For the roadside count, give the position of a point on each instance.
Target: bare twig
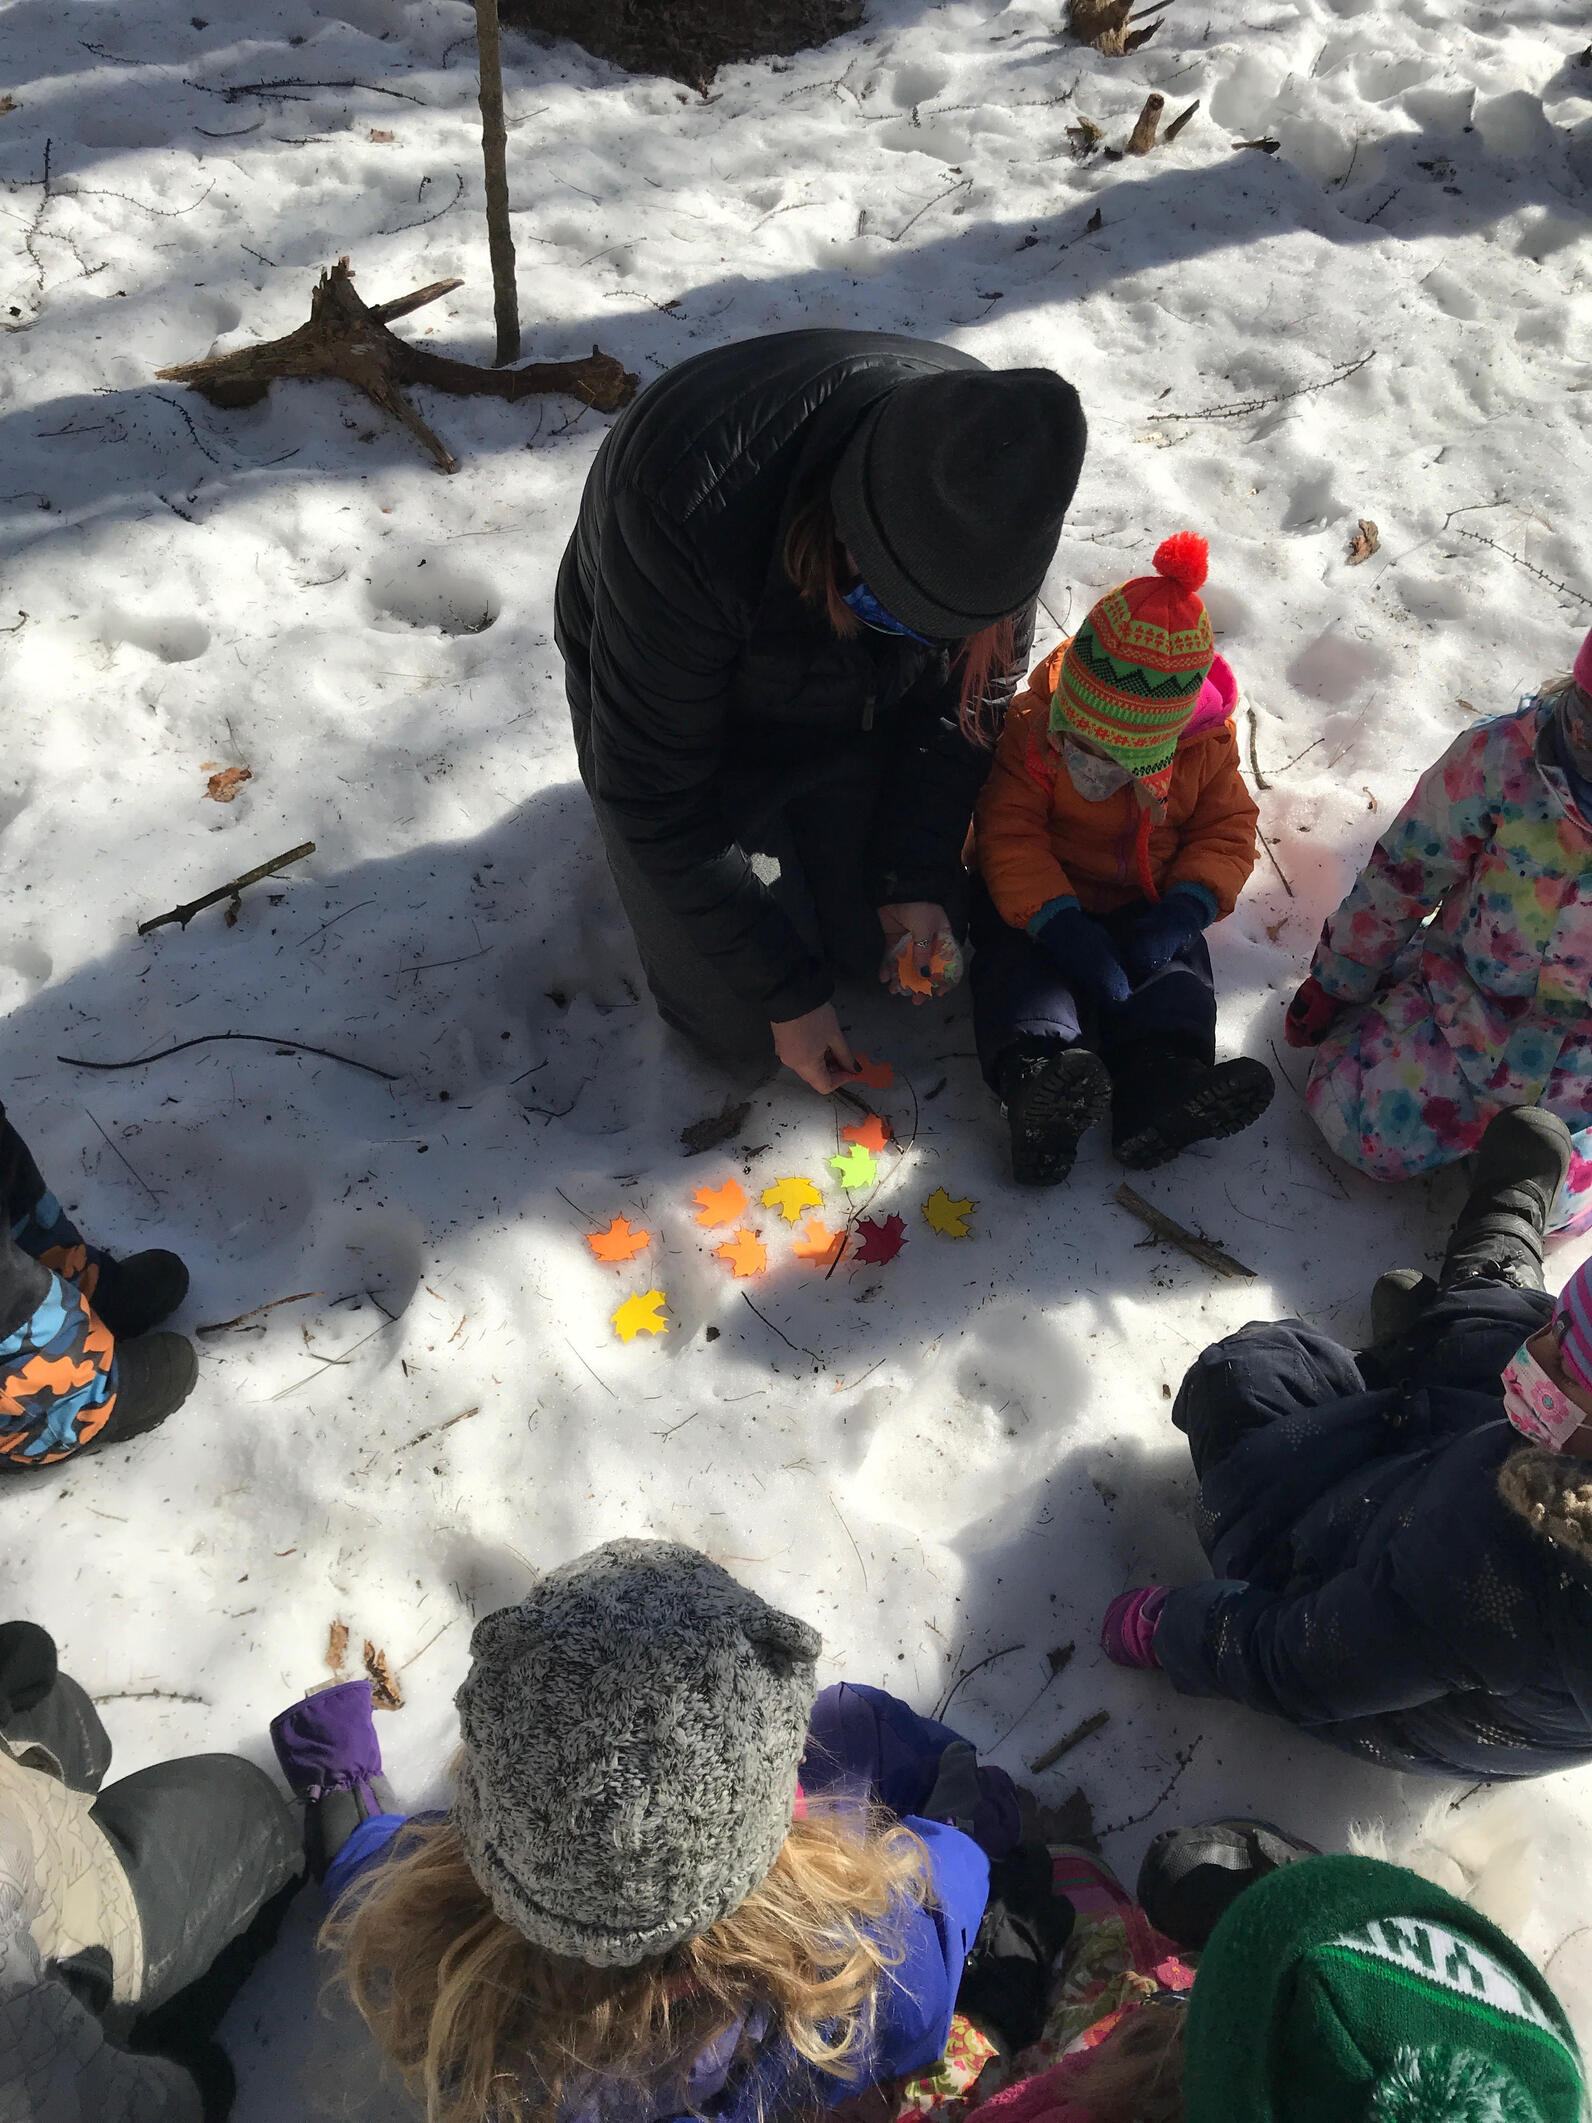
(184, 914)
(282, 91)
(962, 184)
(149, 1695)
(795, 1347)
(1184, 1756)
(962, 1679)
(1068, 1741)
(494, 154)
(261, 1039)
(1204, 1250)
(221, 1326)
(1552, 581)
(1178, 123)
(1254, 762)
(1244, 406)
(1276, 865)
(148, 1189)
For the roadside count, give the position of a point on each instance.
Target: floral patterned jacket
(1492, 854)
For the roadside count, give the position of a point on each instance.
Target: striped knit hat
(1574, 1316)
(1133, 671)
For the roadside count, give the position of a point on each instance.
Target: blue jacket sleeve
(919, 1995)
(364, 1848)
(865, 1743)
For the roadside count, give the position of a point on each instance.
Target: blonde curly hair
(1552, 1494)
(480, 2023)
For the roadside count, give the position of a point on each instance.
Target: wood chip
(337, 1646)
(1142, 138)
(385, 1693)
(1366, 541)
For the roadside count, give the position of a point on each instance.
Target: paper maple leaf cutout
(791, 1196)
(878, 1076)
(817, 1243)
(719, 1205)
(856, 1167)
(947, 1217)
(906, 968)
(873, 1133)
(745, 1254)
(641, 1314)
(880, 1242)
(619, 1242)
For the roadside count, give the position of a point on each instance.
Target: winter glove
(1082, 949)
(1006, 1979)
(331, 1757)
(1127, 1636)
(1311, 1015)
(980, 1802)
(1158, 935)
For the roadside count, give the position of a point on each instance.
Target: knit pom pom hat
(631, 1733)
(1133, 671)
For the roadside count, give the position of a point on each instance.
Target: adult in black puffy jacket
(799, 593)
(1403, 1560)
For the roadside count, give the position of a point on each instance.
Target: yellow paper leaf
(946, 1217)
(641, 1314)
(791, 1196)
(856, 1167)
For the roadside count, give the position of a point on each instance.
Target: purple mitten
(1127, 1636)
(328, 1743)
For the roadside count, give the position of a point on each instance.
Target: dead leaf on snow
(1366, 541)
(380, 134)
(223, 787)
(337, 1646)
(1085, 136)
(385, 1693)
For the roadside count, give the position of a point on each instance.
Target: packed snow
(953, 1459)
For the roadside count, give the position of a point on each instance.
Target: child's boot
(1053, 1095)
(1519, 1170)
(1397, 1302)
(154, 1376)
(137, 1293)
(1162, 1102)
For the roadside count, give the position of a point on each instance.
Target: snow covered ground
(966, 1452)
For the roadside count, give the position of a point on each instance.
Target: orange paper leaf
(641, 1314)
(619, 1242)
(878, 1076)
(817, 1243)
(791, 1196)
(873, 1133)
(745, 1254)
(907, 973)
(717, 1206)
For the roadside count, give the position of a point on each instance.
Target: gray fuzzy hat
(631, 1734)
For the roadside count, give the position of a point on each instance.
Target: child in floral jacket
(1454, 979)
(1113, 829)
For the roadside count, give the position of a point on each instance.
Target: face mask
(1094, 779)
(1537, 1405)
(873, 614)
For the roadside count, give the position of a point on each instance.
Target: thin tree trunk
(494, 153)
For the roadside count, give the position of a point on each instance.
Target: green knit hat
(1342, 1990)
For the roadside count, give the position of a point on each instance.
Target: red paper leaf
(880, 1242)
(878, 1076)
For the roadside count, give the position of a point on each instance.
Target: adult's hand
(1310, 1015)
(816, 1048)
(917, 932)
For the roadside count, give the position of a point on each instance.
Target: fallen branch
(1069, 1741)
(263, 1039)
(1204, 1250)
(1552, 581)
(967, 1674)
(348, 339)
(1245, 406)
(149, 1695)
(221, 1326)
(184, 914)
(1142, 138)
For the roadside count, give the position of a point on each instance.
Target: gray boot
(1518, 1172)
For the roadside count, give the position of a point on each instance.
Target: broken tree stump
(1103, 24)
(1142, 138)
(348, 339)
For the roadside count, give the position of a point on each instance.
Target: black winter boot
(1519, 1170)
(1191, 1877)
(1397, 1302)
(1053, 1096)
(135, 1294)
(1163, 1102)
(154, 1376)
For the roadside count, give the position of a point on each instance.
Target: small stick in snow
(184, 914)
(203, 1039)
(1204, 1250)
(1178, 123)
(1142, 138)
(1276, 865)
(1069, 1741)
(494, 154)
(221, 1326)
(1254, 763)
(337, 1646)
(21, 622)
(148, 1189)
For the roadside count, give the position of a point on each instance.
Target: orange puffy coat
(1037, 839)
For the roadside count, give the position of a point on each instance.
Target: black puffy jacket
(689, 655)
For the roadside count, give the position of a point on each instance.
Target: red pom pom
(1184, 558)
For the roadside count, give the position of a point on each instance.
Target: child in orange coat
(1114, 828)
